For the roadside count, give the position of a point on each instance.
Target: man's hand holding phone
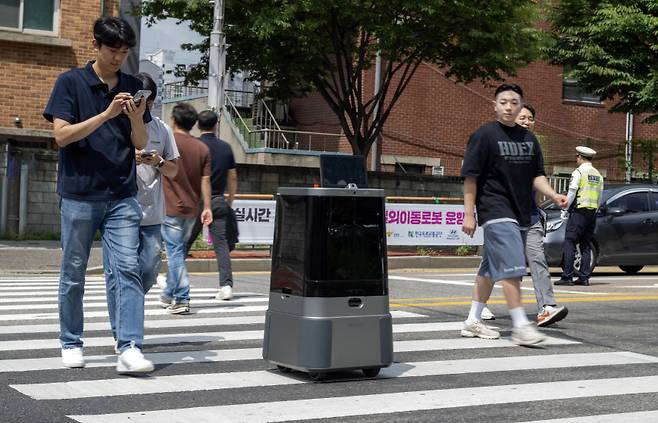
(151, 158)
(135, 106)
(117, 105)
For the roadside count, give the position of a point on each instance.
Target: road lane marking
(208, 356)
(250, 379)
(91, 304)
(527, 300)
(206, 337)
(470, 284)
(379, 404)
(169, 323)
(148, 312)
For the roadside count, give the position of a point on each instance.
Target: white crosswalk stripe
(280, 411)
(215, 354)
(153, 385)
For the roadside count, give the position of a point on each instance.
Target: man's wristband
(160, 163)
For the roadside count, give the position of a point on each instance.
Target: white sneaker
(161, 281)
(72, 358)
(225, 293)
(527, 335)
(487, 314)
(478, 329)
(132, 361)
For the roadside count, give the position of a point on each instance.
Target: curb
(264, 264)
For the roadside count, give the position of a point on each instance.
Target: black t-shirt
(505, 161)
(222, 160)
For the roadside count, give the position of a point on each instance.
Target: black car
(626, 232)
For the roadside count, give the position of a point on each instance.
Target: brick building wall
(30, 68)
(435, 116)
(29, 65)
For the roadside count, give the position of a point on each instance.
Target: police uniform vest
(589, 188)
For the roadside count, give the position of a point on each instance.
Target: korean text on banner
(406, 224)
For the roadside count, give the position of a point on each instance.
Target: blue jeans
(118, 222)
(175, 233)
(150, 246)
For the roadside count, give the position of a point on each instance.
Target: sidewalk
(43, 257)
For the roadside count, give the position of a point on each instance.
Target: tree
(611, 48)
(326, 45)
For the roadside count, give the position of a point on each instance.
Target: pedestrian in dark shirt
(98, 127)
(224, 179)
(502, 165)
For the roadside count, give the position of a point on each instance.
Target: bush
(465, 250)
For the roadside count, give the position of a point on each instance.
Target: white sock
(519, 318)
(476, 312)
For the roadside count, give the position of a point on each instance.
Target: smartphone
(140, 95)
(148, 153)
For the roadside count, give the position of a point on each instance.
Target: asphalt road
(602, 360)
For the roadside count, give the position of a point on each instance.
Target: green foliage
(648, 149)
(425, 251)
(465, 250)
(325, 45)
(611, 47)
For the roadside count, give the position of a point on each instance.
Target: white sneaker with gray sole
(72, 358)
(478, 329)
(527, 335)
(132, 361)
(487, 314)
(225, 293)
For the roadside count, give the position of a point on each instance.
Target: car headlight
(554, 225)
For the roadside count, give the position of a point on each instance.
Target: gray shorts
(503, 255)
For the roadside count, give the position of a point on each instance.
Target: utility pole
(629, 146)
(217, 63)
(375, 115)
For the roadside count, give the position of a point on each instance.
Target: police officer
(584, 197)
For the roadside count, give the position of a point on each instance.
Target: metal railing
(257, 136)
(241, 99)
(250, 138)
(180, 90)
(265, 121)
(300, 140)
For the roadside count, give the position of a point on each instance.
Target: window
(573, 92)
(29, 15)
(634, 202)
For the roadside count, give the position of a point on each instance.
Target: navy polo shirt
(221, 157)
(100, 167)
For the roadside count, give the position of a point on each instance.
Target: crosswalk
(209, 368)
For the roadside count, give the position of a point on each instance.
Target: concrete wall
(43, 211)
(42, 199)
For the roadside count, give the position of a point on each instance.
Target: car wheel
(631, 269)
(577, 259)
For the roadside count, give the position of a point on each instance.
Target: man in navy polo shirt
(98, 127)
